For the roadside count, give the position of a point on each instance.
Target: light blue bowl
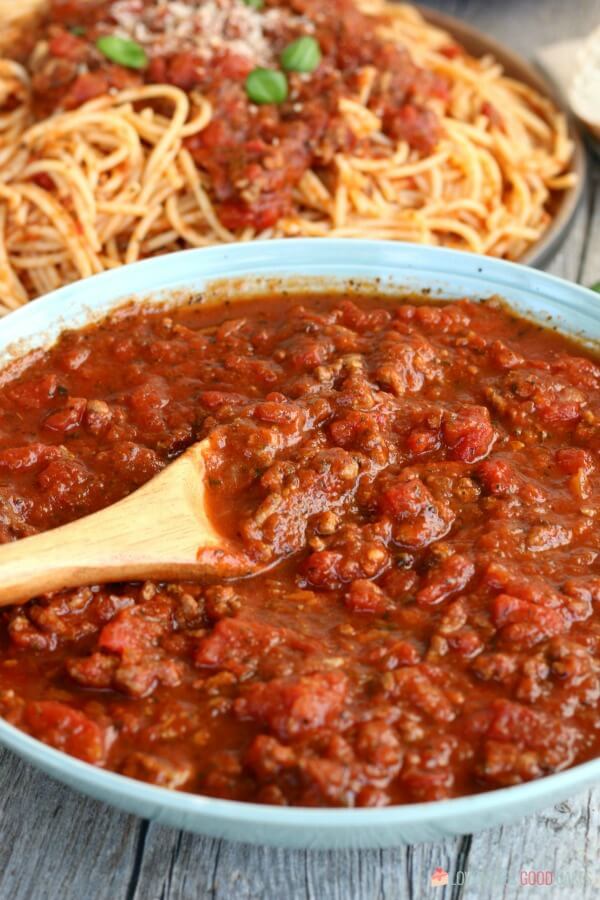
(316, 265)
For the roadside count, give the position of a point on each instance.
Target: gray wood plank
(563, 841)
(56, 844)
(176, 866)
(567, 262)
(589, 270)
(182, 867)
(406, 872)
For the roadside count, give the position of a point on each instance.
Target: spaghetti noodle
(117, 178)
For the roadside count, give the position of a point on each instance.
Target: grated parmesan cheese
(203, 27)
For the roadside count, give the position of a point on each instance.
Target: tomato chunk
(293, 707)
(469, 434)
(67, 729)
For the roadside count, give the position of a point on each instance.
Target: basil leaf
(254, 4)
(595, 287)
(122, 51)
(266, 86)
(302, 55)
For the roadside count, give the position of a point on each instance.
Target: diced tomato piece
(139, 676)
(378, 744)
(233, 66)
(415, 685)
(182, 71)
(276, 413)
(17, 459)
(157, 70)
(121, 78)
(68, 46)
(512, 580)
(504, 356)
(236, 215)
(345, 430)
(36, 393)
(67, 729)
(506, 609)
(425, 784)
(216, 134)
(94, 671)
(214, 399)
(497, 477)
(363, 320)
(488, 109)
(514, 722)
(237, 645)
(451, 51)
(73, 358)
(146, 402)
(524, 743)
(468, 433)
(399, 583)
(364, 596)
(86, 86)
(64, 478)
(451, 576)
(43, 180)
(129, 460)
(561, 412)
(266, 757)
(419, 127)
(524, 623)
(395, 654)
(321, 568)
(129, 633)
(405, 499)
(296, 706)
(465, 642)
(421, 440)
(69, 418)
(572, 459)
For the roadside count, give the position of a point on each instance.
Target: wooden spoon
(160, 531)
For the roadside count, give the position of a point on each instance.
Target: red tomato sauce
(422, 479)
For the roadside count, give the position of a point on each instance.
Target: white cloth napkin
(575, 67)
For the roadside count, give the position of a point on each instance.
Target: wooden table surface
(55, 843)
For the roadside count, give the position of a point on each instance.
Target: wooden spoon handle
(46, 562)
(111, 545)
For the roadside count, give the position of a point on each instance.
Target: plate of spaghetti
(130, 129)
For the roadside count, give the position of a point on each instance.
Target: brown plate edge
(478, 44)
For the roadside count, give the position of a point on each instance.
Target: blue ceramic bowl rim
(301, 255)
(68, 769)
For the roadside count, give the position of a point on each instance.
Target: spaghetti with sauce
(132, 128)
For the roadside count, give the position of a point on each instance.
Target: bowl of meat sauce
(407, 440)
